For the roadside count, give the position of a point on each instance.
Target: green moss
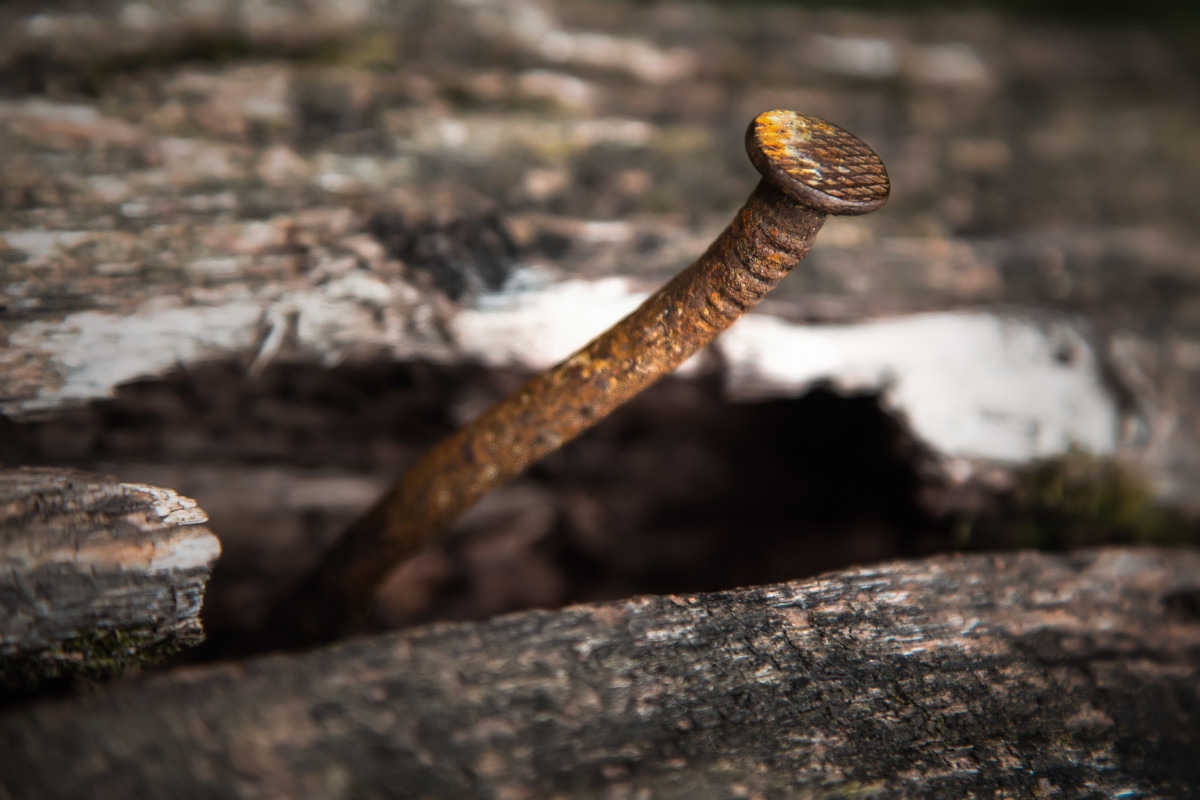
(1080, 499)
(374, 50)
(94, 656)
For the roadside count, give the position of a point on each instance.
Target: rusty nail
(810, 169)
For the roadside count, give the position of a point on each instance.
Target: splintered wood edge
(57, 516)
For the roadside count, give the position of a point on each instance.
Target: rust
(810, 169)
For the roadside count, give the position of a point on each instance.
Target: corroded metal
(817, 163)
(810, 169)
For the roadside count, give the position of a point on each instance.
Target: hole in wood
(679, 491)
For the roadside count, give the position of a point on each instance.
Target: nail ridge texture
(810, 167)
(817, 163)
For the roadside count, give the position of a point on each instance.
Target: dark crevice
(679, 491)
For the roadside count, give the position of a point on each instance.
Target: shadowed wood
(1006, 675)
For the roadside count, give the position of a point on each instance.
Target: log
(1022, 674)
(96, 576)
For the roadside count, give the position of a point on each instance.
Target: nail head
(817, 163)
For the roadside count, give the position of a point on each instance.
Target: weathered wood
(334, 195)
(95, 575)
(1015, 675)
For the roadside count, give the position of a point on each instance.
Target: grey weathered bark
(204, 206)
(989, 675)
(95, 575)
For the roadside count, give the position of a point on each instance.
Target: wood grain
(1014, 675)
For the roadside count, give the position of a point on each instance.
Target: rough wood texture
(95, 575)
(341, 182)
(1019, 675)
(325, 197)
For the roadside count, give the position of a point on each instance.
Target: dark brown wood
(95, 575)
(1020, 675)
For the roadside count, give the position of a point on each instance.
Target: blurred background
(266, 253)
